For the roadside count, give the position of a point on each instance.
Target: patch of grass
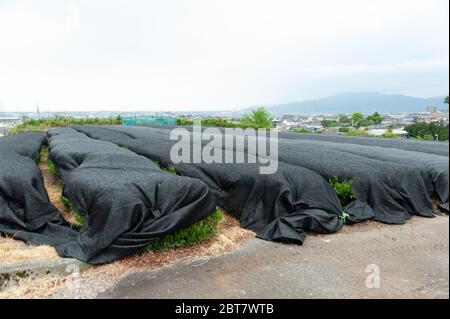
(171, 170)
(43, 124)
(168, 169)
(52, 168)
(183, 121)
(189, 236)
(42, 151)
(391, 135)
(300, 130)
(79, 218)
(66, 202)
(343, 189)
(215, 122)
(344, 216)
(358, 132)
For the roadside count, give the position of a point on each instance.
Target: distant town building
(290, 118)
(381, 132)
(432, 109)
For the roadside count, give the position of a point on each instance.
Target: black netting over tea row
(25, 210)
(127, 200)
(110, 177)
(396, 183)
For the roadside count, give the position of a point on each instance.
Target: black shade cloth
(280, 206)
(393, 189)
(436, 167)
(429, 147)
(127, 199)
(25, 210)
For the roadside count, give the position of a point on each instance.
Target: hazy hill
(366, 102)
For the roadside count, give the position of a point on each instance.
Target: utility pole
(37, 109)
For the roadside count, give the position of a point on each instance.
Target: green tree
(218, 122)
(430, 131)
(417, 129)
(329, 123)
(357, 117)
(259, 118)
(438, 131)
(375, 118)
(344, 119)
(366, 122)
(446, 100)
(184, 121)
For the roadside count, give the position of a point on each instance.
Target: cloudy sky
(216, 54)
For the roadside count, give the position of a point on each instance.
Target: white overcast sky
(211, 54)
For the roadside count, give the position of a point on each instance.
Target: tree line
(428, 131)
(258, 118)
(357, 120)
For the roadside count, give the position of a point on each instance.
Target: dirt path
(403, 261)
(53, 185)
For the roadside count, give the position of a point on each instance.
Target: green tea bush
(343, 189)
(189, 236)
(44, 124)
(52, 168)
(79, 218)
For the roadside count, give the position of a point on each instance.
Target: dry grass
(35, 288)
(14, 251)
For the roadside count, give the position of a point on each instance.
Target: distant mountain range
(366, 102)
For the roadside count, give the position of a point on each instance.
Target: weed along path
(53, 184)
